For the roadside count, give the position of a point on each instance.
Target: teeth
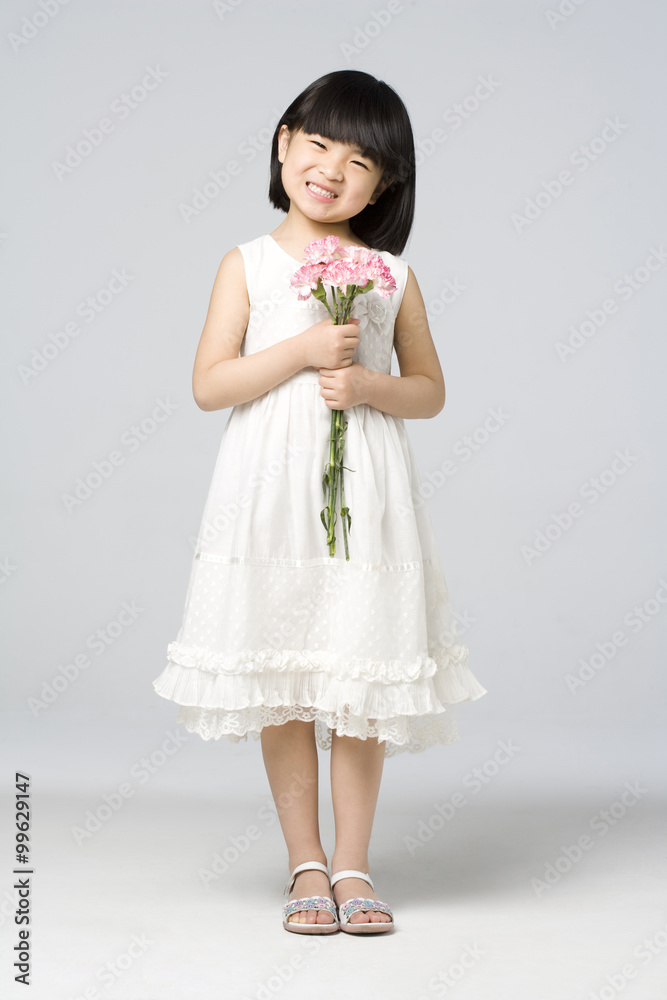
(320, 190)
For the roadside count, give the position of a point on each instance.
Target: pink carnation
(322, 251)
(338, 268)
(305, 280)
(342, 273)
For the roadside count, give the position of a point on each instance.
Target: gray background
(227, 71)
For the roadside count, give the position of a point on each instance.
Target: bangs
(354, 108)
(358, 116)
(354, 126)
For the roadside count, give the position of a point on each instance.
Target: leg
(356, 772)
(290, 758)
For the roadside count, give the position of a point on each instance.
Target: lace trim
(400, 734)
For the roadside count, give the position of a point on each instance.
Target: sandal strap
(305, 866)
(310, 903)
(350, 906)
(351, 873)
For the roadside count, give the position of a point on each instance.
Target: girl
(279, 638)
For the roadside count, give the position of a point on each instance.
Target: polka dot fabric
(274, 628)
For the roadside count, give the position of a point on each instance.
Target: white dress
(275, 628)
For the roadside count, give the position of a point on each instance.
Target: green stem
(343, 511)
(331, 538)
(342, 309)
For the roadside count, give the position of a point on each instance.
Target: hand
(344, 387)
(329, 344)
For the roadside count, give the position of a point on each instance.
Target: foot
(356, 888)
(310, 883)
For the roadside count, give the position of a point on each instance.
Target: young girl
(279, 638)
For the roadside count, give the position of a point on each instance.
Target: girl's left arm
(419, 391)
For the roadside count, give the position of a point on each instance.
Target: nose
(332, 168)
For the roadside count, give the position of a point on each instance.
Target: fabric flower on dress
(372, 313)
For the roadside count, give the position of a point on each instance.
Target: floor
(505, 885)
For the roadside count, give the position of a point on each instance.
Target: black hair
(354, 107)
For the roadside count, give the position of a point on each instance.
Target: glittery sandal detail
(354, 904)
(309, 903)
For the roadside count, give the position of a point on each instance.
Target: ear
(382, 186)
(283, 141)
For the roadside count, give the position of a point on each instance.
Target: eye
(322, 146)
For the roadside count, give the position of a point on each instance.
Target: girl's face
(311, 161)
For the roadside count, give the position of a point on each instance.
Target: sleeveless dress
(274, 627)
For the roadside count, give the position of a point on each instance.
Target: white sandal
(309, 903)
(350, 906)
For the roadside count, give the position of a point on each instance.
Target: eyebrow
(355, 149)
(358, 149)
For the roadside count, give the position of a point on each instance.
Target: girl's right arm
(221, 378)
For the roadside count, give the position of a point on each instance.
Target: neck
(296, 228)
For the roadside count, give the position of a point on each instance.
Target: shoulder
(250, 245)
(242, 255)
(232, 264)
(231, 279)
(244, 264)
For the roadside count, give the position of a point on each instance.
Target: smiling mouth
(322, 191)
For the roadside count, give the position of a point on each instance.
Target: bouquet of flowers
(348, 271)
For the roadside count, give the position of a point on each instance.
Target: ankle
(303, 856)
(345, 863)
